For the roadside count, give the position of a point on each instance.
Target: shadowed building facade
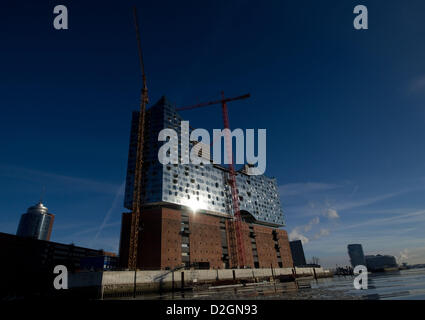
(187, 208)
(355, 252)
(297, 251)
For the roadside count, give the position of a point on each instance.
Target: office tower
(355, 251)
(37, 223)
(297, 253)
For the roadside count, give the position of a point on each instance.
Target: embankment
(122, 283)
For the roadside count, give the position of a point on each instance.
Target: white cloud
(331, 214)
(296, 235)
(404, 256)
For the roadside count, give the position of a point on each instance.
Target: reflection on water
(250, 291)
(398, 285)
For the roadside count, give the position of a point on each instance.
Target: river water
(398, 285)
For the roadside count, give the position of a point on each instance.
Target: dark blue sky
(344, 109)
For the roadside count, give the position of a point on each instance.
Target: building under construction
(189, 215)
(172, 233)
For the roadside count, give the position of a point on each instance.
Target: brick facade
(171, 237)
(285, 249)
(265, 247)
(205, 240)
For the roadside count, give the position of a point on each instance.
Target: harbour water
(397, 285)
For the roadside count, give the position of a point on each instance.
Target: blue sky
(344, 110)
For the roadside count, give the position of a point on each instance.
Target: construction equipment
(236, 240)
(137, 200)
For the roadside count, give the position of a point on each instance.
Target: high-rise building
(355, 251)
(187, 208)
(297, 253)
(37, 223)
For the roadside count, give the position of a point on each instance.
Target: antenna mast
(43, 193)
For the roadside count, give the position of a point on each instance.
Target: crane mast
(137, 188)
(237, 222)
(236, 239)
(235, 232)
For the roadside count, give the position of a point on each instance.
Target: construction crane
(137, 188)
(236, 240)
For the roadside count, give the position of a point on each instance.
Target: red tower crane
(236, 239)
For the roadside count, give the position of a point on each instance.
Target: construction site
(204, 216)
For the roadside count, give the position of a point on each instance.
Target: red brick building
(173, 237)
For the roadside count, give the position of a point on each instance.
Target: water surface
(397, 285)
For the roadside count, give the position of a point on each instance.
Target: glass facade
(355, 252)
(202, 187)
(36, 223)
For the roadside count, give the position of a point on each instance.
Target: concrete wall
(116, 282)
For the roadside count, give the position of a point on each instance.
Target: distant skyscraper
(355, 251)
(37, 223)
(297, 253)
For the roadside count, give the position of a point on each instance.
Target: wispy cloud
(89, 231)
(331, 214)
(345, 205)
(46, 178)
(417, 84)
(350, 213)
(311, 223)
(331, 206)
(92, 236)
(322, 233)
(117, 198)
(296, 189)
(418, 216)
